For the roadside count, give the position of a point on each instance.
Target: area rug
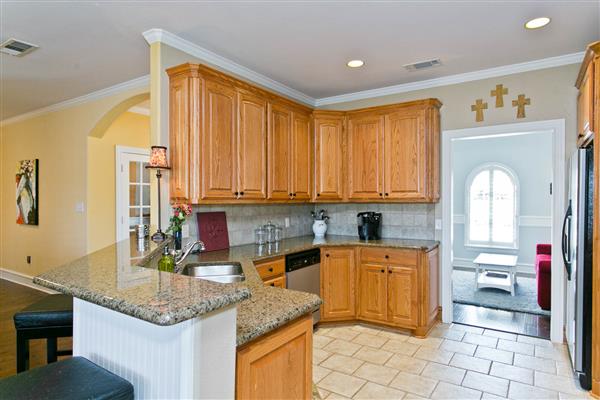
(524, 300)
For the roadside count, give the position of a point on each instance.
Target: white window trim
(491, 244)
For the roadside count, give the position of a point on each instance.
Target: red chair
(543, 263)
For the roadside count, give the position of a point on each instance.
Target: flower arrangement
(180, 213)
(320, 216)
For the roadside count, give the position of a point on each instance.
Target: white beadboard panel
(192, 359)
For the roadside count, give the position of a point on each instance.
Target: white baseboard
(22, 279)
(527, 270)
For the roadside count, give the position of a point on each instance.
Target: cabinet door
(403, 307)
(278, 145)
(329, 158)
(405, 156)
(276, 282)
(302, 160)
(365, 157)
(337, 283)
(179, 139)
(252, 146)
(219, 169)
(373, 292)
(585, 101)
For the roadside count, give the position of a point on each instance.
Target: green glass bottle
(166, 262)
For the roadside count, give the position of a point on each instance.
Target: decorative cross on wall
(520, 103)
(499, 93)
(478, 107)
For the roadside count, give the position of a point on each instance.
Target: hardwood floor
(14, 297)
(501, 320)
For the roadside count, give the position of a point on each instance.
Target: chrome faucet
(188, 249)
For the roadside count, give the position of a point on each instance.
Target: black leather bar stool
(49, 318)
(75, 378)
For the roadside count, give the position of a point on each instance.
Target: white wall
(530, 157)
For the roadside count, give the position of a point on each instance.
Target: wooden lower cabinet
(272, 272)
(277, 365)
(394, 287)
(276, 282)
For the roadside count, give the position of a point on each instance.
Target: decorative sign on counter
(212, 230)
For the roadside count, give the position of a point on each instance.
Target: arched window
(492, 207)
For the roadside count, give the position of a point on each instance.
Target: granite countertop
(121, 278)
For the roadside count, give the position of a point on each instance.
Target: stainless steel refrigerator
(577, 256)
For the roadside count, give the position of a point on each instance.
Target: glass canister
(260, 235)
(269, 232)
(277, 234)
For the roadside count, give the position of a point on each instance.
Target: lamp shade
(158, 158)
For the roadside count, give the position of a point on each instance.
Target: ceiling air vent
(16, 47)
(423, 64)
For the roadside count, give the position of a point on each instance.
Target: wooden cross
(478, 107)
(521, 102)
(499, 92)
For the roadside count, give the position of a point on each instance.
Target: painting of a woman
(26, 194)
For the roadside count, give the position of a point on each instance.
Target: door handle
(565, 241)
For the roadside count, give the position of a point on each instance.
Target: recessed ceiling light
(355, 63)
(537, 23)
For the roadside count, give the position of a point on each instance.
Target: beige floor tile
(373, 391)
(319, 373)
(431, 342)
(344, 364)
(320, 341)
(486, 383)
(342, 332)
(398, 336)
(406, 364)
(517, 347)
(489, 396)
(375, 356)
(500, 335)
(376, 373)
(568, 396)
(342, 347)
(467, 328)
(448, 391)
(335, 396)
(558, 353)
(471, 363)
(459, 347)
(519, 374)
(447, 333)
(418, 385)
(534, 340)
(538, 364)
(480, 340)
(324, 393)
(435, 355)
(444, 373)
(412, 396)
(557, 383)
(494, 354)
(320, 355)
(367, 339)
(520, 391)
(341, 384)
(362, 328)
(321, 331)
(564, 369)
(396, 346)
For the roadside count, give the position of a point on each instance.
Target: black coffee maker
(369, 225)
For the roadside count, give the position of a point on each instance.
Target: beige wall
(132, 130)
(59, 141)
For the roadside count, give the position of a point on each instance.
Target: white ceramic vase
(319, 228)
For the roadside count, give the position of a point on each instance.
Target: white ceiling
(303, 44)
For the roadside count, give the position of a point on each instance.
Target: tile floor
(454, 362)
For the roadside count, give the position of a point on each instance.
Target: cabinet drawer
(276, 282)
(271, 268)
(388, 256)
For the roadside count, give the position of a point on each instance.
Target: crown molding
(543, 63)
(142, 81)
(160, 35)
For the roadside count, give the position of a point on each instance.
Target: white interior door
(132, 189)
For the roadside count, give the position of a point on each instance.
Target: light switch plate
(287, 222)
(79, 207)
(438, 224)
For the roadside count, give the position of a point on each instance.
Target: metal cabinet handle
(389, 271)
(386, 256)
(326, 255)
(236, 193)
(383, 270)
(381, 194)
(318, 194)
(270, 269)
(272, 284)
(386, 194)
(241, 193)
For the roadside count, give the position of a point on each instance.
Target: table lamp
(158, 161)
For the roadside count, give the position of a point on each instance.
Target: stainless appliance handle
(566, 250)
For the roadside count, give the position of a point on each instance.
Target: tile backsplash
(243, 219)
(409, 221)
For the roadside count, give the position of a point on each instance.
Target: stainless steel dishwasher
(303, 273)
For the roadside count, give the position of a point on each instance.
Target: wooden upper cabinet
(278, 145)
(585, 101)
(218, 148)
(373, 292)
(365, 157)
(338, 280)
(329, 154)
(179, 138)
(301, 157)
(403, 292)
(252, 146)
(405, 156)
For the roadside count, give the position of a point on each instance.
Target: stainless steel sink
(222, 273)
